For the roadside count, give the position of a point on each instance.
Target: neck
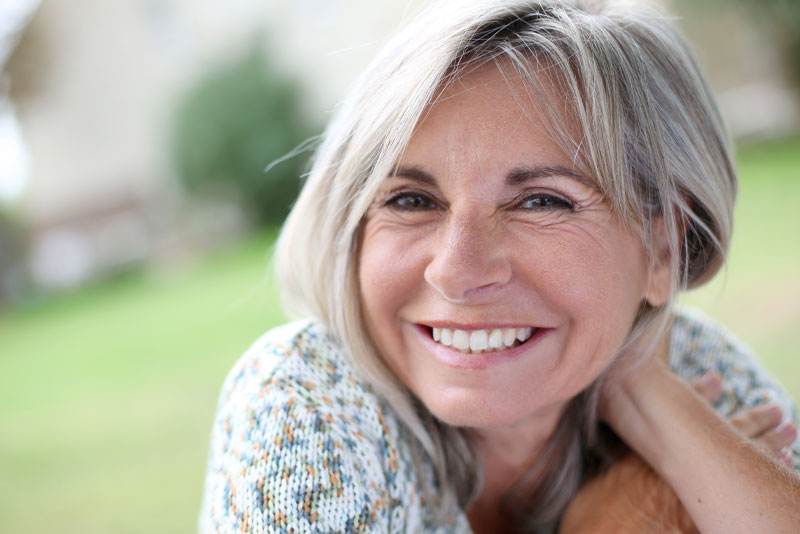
(508, 454)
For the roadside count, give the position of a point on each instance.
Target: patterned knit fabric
(300, 445)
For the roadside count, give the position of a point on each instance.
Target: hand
(632, 370)
(646, 361)
(631, 498)
(761, 424)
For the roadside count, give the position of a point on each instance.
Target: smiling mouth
(478, 341)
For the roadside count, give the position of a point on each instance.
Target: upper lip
(474, 326)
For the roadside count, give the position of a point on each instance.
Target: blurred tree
(235, 122)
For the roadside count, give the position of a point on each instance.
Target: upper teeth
(481, 340)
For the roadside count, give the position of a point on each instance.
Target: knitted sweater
(300, 445)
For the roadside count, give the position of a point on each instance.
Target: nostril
(478, 291)
(459, 282)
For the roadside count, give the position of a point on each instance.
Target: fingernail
(775, 412)
(709, 379)
(788, 430)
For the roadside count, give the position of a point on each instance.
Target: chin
(472, 409)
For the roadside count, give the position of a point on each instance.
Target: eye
(544, 201)
(411, 201)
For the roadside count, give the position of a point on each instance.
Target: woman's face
(495, 281)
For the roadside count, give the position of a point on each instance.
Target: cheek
(389, 275)
(593, 270)
(597, 283)
(389, 271)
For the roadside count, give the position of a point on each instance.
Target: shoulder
(299, 442)
(301, 359)
(700, 345)
(300, 367)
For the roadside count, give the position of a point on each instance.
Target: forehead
(489, 117)
(483, 96)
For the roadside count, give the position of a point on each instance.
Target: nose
(469, 261)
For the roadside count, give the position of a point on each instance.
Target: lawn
(758, 294)
(107, 395)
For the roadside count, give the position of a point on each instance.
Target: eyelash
(423, 201)
(395, 201)
(547, 202)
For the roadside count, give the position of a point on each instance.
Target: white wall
(96, 121)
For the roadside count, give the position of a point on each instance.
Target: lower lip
(454, 358)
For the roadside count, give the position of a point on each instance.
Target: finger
(709, 386)
(786, 457)
(779, 438)
(758, 420)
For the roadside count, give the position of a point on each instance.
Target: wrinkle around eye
(382, 230)
(382, 218)
(565, 230)
(545, 220)
(582, 218)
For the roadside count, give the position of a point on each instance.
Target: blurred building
(94, 83)
(738, 50)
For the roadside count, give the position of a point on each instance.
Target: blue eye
(411, 201)
(542, 201)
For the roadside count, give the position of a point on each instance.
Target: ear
(659, 277)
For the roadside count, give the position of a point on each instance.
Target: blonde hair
(631, 106)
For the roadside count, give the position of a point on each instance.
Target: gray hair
(632, 108)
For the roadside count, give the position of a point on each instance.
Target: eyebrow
(521, 176)
(414, 173)
(514, 178)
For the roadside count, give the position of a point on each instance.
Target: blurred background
(137, 219)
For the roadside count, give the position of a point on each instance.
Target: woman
(489, 244)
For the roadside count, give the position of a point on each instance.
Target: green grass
(107, 395)
(758, 294)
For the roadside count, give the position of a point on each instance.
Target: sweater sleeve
(279, 464)
(701, 346)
